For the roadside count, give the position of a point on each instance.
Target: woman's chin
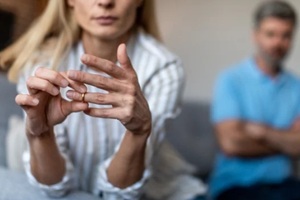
(107, 33)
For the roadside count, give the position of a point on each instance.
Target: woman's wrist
(134, 144)
(144, 130)
(46, 134)
(137, 138)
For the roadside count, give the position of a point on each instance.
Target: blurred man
(256, 113)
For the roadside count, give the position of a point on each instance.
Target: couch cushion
(14, 186)
(192, 136)
(8, 107)
(16, 143)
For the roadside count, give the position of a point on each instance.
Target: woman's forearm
(128, 165)
(47, 164)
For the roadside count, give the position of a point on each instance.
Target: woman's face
(105, 19)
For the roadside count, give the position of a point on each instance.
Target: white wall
(210, 35)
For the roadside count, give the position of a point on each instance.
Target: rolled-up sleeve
(105, 190)
(57, 190)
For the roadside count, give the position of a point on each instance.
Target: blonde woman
(95, 107)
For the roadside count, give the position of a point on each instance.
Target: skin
(102, 44)
(273, 39)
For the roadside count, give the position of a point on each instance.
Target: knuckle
(105, 113)
(100, 98)
(99, 81)
(131, 101)
(93, 60)
(39, 71)
(128, 114)
(133, 77)
(30, 81)
(80, 76)
(74, 107)
(132, 90)
(57, 76)
(74, 75)
(25, 97)
(44, 86)
(110, 67)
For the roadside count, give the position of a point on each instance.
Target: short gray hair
(275, 8)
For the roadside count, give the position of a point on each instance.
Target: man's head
(275, 22)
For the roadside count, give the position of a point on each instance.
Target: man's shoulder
(292, 77)
(236, 71)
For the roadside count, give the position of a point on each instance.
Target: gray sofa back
(7, 107)
(191, 134)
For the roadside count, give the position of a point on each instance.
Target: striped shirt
(88, 144)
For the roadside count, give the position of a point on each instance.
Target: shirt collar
(80, 50)
(256, 72)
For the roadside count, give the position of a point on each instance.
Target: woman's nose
(105, 3)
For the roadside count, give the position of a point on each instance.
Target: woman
(96, 110)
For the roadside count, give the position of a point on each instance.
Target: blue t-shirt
(244, 92)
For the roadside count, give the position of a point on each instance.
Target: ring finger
(96, 98)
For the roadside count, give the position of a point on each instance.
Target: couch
(190, 134)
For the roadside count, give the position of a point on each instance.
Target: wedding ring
(83, 96)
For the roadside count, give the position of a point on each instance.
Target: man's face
(273, 38)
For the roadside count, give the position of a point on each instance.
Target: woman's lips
(105, 20)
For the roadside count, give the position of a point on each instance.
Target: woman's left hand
(124, 94)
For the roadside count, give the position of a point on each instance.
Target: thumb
(69, 107)
(123, 57)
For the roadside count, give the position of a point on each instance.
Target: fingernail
(69, 94)
(55, 91)
(71, 74)
(35, 101)
(64, 83)
(85, 58)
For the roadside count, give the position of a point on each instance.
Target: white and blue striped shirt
(88, 144)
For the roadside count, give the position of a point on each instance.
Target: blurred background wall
(209, 35)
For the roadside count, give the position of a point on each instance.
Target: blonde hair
(57, 21)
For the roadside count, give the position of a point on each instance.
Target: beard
(275, 58)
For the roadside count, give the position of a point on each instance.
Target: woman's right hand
(44, 105)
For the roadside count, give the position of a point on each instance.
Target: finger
(126, 63)
(26, 100)
(78, 86)
(111, 113)
(123, 57)
(96, 80)
(104, 66)
(96, 98)
(73, 106)
(37, 84)
(52, 76)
